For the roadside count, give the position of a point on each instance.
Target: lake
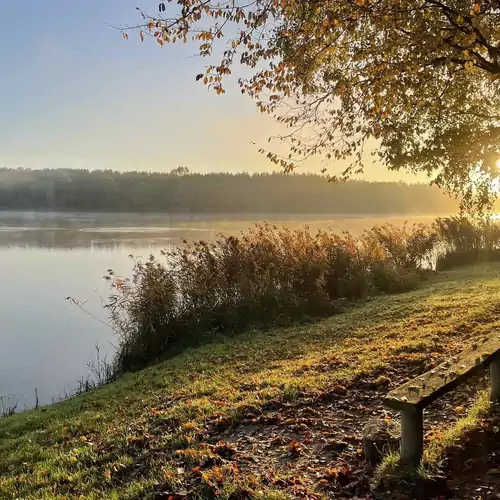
(47, 342)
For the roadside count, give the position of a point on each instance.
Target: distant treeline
(181, 191)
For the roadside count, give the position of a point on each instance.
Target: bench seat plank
(426, 388)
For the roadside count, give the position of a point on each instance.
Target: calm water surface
(45, 341)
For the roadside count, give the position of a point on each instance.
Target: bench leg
(495, 380)
(412, 436)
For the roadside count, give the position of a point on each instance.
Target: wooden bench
(413, 396)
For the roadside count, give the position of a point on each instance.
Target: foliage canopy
(420, 78)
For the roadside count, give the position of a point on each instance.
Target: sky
(75, 94)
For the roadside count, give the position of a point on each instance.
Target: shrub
(390, 279)
(407, 247)
(147, 304)
(267, 276)
(452, 259)
(466, 241)
(460, 233)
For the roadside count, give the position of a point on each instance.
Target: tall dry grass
(269, 276)
(275, 276)
(467, 240)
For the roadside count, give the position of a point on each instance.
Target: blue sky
(74, 94)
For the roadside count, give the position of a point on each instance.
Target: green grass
(119, 441)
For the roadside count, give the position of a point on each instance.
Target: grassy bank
(271, 277)
(176, 428)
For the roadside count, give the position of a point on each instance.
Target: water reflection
(70, 239)
(97, 231)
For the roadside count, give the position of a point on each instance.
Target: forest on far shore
(184, 192)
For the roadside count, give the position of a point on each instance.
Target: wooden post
(412, 436)
(495, 380)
